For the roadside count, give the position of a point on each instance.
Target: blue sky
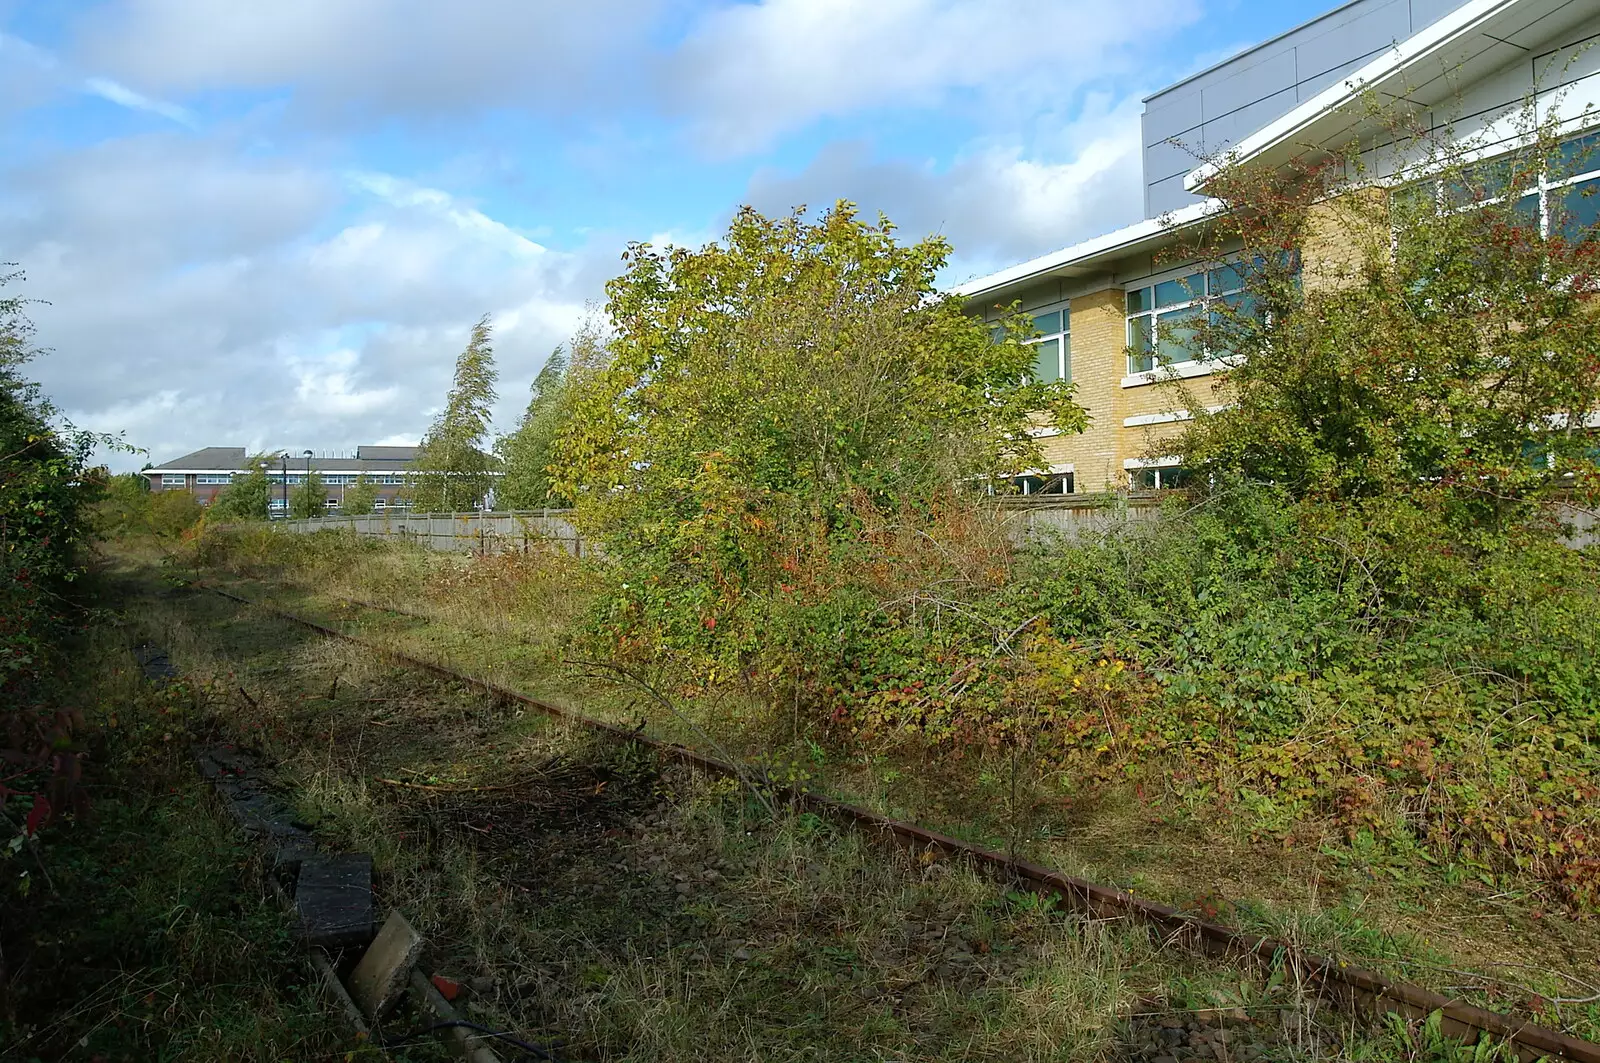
(272, 224)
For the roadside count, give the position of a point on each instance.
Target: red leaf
(38, 815)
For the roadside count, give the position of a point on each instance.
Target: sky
(272, 225)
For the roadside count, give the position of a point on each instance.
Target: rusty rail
(1357, 986)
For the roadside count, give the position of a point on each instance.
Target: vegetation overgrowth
(1364, 612)
(452, 465)
(557, 867)
(47, 487)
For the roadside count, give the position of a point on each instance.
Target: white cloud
(751, 72)
(327, 385)
(996, 204)
(28, 73)
(346, 57)
(201, 296)
(123, 96)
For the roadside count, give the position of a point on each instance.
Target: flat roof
(1089, 252)
(1475, 18)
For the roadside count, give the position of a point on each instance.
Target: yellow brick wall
(1339, 234)
(1330, 256)
(1099, 335)
(1099, 362)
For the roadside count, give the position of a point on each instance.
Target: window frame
(1152, 314)
(1542, 188)
(174, 479)
(1062, 336)
(1166, 467)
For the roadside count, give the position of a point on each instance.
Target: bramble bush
(46, 487)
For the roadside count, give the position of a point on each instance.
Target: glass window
(1480, 182)
(1182, 290)
(214, 478)
(1576, 156)
(1575, 218)
(1225, 279)
(1057, 483)
(1142, 340)
(1158, 478)
(1176, 336)
(1053, 349)
(1047, 360)
(1564, 202)
(1164, 319)
(172, 479)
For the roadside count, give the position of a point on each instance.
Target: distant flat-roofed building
(205, 473)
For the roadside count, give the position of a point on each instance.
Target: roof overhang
(1092, 256)
(1425, 70)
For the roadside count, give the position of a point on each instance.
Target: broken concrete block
(333, 899)
(381, 975)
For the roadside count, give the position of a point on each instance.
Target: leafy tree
(452, 468)
(528, 453)
(172, 513)
(359, 497)
(124, 506)
(248, 496)
(788, 401)
(308, 498)
(1432, 341)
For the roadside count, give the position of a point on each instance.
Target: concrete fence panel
(477, 532)
(1035, 521)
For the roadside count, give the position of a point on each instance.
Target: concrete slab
(381, 975)
(333, 899)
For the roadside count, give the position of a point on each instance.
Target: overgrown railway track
(1354, 986)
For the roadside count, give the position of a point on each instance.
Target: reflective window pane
(1048, 323)
(1241, 308)
(1525, 212)
(1225, 279)
(1138, 300)
(1482, 181)
(1176, 340)
(1579, 155)
(1578, 211)
(1141, 356)
(1047, 361)
(1066, 357)
(1180, 291)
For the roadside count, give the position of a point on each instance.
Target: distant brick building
(207, 472)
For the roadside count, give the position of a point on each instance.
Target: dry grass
(509, 622)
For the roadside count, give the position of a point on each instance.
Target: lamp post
(308, 484)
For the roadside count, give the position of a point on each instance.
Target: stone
(333, 899)
(380, 976)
